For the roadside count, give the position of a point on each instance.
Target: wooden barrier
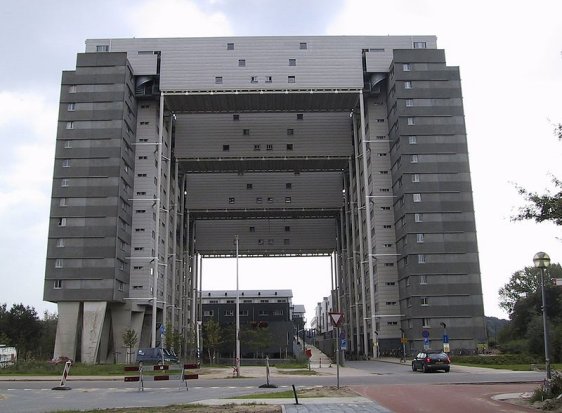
(136, 378)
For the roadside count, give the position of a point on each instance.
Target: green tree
(46, 346)
(524, 283)
(24, 329)
(130, 339)
(212, 338)
(172, 339)
(543, 207)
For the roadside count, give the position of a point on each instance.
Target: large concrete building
(347, 146)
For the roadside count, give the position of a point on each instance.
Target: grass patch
(190, 408)
(294, 365)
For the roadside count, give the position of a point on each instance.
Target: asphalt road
(369, 376)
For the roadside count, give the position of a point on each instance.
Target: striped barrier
(185, 375)
(65, 372)
(138, 378)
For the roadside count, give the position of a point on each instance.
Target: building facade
(350, 146)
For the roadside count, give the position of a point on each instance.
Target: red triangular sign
(336, 318)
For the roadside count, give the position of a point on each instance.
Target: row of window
(242, 62)
(288, 185)
(255, 79)
(260, 200)
(424, 301)
(59, 284)
(300, 116)
(244, 313)
(287, 228)
(302, 46)
(257, 147)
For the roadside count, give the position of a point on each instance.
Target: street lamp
(542, 260)
(237, 314)
(445, 337)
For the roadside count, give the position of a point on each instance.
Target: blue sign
(445, 338)
(162, 329)
(425, 334)
(343, 344)
(426, 341)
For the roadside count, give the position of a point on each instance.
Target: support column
(157, 224)
(368, 225)
(67, 327)
(350, 274)
(178, 192)
(92, 325)
(361, 241)
(166, 262)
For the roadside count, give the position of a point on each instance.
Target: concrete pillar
(92, 325)
(120, 322)
(67, 327)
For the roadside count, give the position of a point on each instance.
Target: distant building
(268, 312)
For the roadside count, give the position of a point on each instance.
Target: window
(387, 246)
(143, 175)
(268, 79)
(244, 313)
(408, 302)
(249, 186)
(288, 200)
(300, 116)
(287, 228)
(381, 137)
(260, 242)
(415, 177)
(145, 123)
(62, 202)
(411, 121)
(414, 159)
(139, 248)
(241, 62)
(218, 80)
(270, 241)
(288, 185)
(67, 144)
(292, 62)
(286, 241)
(289, 146)
(259, 200)
(231, 200)
(424, 301)
(420, 45)
(102, 48)
(406, 67)
(229, 313)
(423, 279)
(407, 84)
(245, 132)
(270, 200)
(419, 238)
(72, 89)
(269, 147)
(139, 229)
(60, 242)
(208, 313)
(254, 79)
(230, 46)
(409, 103)
(71, 107)
(417, 197)
(66, 163)
(291, 79)
(120, 285)
(64, 183)
(59, 263)
(418, 217)
(421, 259)
(290, 131)
(303, 46)
(412, 140)
(277, 312)
(387, 226)
(426, 322)
(252, 229)
(57, 285)
(143, 157)
(225, 148)
(70, 125)
(236, 117)
(257, 147)
(385, 208)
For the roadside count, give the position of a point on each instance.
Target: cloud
(177, 18)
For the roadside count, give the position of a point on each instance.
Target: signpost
(337, 320)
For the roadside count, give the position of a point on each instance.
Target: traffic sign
(343, 344)
(425, 334)
(404, 340)
(426, 343)
(445, 338)
(336, 318)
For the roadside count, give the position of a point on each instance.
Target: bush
(504, 359)
(540, 394)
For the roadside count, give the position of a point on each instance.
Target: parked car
(431, 361)
(156, 356)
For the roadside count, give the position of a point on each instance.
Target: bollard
(295, 393)
(320, 366)
(65, 372)
(185, 375)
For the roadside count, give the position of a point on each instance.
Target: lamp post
(237, 314)
(542, 261)
(445, 337)
(402, 339)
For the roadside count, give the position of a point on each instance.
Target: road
(392, 385)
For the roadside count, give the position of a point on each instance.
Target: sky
(508, 51)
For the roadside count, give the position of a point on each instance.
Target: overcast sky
(509, 53)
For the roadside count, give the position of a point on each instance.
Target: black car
(431, 361)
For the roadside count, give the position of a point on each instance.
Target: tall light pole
(445, 337)
(237, 314)
(542, 261)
